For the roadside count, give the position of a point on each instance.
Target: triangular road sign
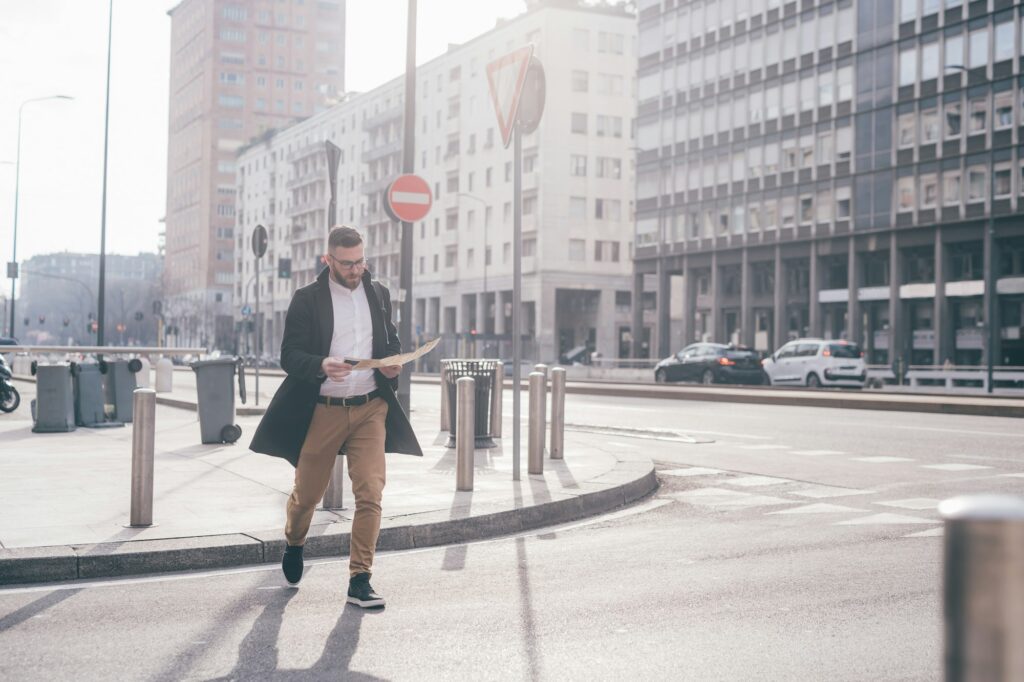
(505, 78)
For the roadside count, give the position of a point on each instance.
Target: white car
(817, 362)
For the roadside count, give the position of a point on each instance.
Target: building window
(578, 208)
(823, 205)
(954, 52)
(607, 209)
(231, 101)
(578, 165)
(530, 204)
(806, 209)
(905, 125)
(908, 10)
(908, 67)
(598, 250)
(951, 188)
(608, 167)
(929, 126)
(929, 61)
(1004, 40)
(1003, 110)
(905, 194)
(529, 247)
(952, 118)
(580, 39)
(609, 126)
(451, 255)
(1001, 180)
(979, 116)
(844, 143)
(577, 250)
(843, 210)
(977, 48)
(580, 81)
(929, 190)
(611, 43)
(579, 123)
(977, 184)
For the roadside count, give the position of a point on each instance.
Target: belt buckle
(344, 402)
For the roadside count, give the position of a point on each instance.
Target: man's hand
(335, 369)
(391, 372)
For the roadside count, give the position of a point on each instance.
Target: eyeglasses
(349, 264)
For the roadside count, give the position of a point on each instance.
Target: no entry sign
(408, 199)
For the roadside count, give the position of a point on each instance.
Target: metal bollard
(496, 399)
(164, 375)
(143, 441)
(142, 377)
(538, 428)
(557, 413)
(445, 417)
(542, 368)
(983, 583)
(334, 496)
(465, 435)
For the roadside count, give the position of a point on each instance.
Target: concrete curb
(627, 482)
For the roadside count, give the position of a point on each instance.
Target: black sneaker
(361, 594)
(291, 564)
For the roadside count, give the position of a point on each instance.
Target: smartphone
(351, 361)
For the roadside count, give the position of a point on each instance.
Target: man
(324, 405)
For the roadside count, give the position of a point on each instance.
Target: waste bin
(120, 386)
(54, 406)
(89, 396)
(482, 372)
(216, 394)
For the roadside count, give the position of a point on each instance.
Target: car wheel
(661, 377)
(813, 381)
(707, 378)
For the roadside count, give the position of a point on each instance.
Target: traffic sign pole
(259, 248)
(517, 290)
(408, 166)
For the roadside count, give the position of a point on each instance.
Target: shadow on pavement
(36, 607)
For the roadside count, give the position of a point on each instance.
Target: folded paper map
(396, 360)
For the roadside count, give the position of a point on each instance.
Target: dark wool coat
(308, 329)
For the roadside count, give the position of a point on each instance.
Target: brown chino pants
(361, 430)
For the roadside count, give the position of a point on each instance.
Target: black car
(712, 363)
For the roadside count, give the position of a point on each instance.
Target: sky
(59, 47)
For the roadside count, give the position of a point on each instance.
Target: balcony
(379, 152)
(306, 207)
(307, 179)
(308, 150)
(380, 119)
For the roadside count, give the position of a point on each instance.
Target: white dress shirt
(352, 338)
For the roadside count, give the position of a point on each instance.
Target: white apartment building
(577, 193)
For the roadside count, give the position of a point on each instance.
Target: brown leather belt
(351, 401)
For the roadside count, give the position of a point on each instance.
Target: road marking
(819, 508)
(692, 471)
(617, 444)
(930, 533)
(954, 467)
(817, 453)
(823, 491)
(731, 499)
(763, 446)
(756, 481)
(883, 520)
(882, 460)
(1011, 475)
(918, 503)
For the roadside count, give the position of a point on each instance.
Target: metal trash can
(482, 372)
(54, 407)
(216, 396)
(120, 386)
(89, 396)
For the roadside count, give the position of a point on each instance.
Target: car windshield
(844, 350)
(739, 353)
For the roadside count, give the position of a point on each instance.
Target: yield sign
(505, 77)
(408, 199)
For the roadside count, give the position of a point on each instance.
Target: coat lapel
(380, 332)
(324, 311)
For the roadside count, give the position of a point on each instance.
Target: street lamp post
(12, 267)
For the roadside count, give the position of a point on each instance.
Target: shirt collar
(335, 287)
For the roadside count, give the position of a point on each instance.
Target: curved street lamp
(12, 267)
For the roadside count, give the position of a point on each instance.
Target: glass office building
(846, 169)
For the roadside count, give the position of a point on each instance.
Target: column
(481, 313)
(433, 323)
(993, 333)
(853, 321)
(814, 286)
(897, 333)
(547, 325)
(689, 302)
(780, 301)
(637, 326)
(746, 312)
(499, 312)
(940, 321)
(716, 298)
(607, 329)
(664, 324)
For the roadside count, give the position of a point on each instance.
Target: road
(784, 543)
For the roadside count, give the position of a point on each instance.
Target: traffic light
(66, 321)
(138, 316)
(42, 319)
(93, 327)
(26, 321)
(284, 268)
(120, 327)
(158, 307)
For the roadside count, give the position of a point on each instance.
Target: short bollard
(142, 377)
(538, 427)
(557, 413)
(983, 563)
(143, 441)
(445, 418)
(496, 398)
(164, 375)
(542, 368)
(335, 494)
(465, 435)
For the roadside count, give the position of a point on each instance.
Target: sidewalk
(65, 497)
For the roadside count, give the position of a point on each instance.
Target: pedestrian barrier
(54, 407)
(557, 413)
(143, 443)
(983, 582)
(465, 441)
(538, 427)
(445, 416)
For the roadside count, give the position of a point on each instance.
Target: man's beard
(341, 279)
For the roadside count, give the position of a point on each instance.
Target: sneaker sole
(366, 604)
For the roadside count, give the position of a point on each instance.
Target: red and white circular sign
(408, 199)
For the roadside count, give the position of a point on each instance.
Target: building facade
(238, 69)
(577, 191)
(845, 169)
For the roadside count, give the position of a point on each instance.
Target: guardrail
(106, 350)
(950, 377)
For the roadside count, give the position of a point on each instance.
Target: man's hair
(344, 236)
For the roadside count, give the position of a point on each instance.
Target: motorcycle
(9, 396)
